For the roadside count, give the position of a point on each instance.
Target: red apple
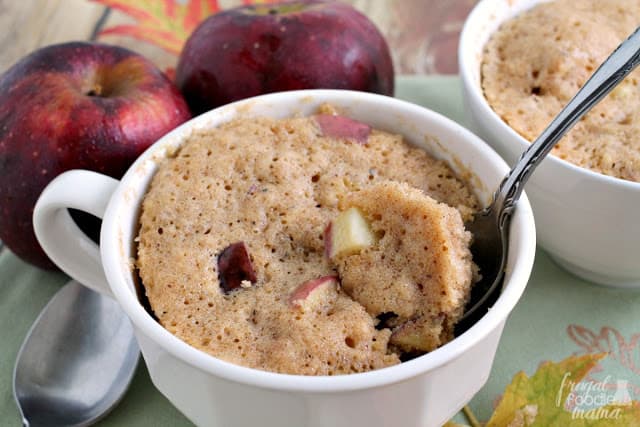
(251, 50)
(235, 269)
(74, 105)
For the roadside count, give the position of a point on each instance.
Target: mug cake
(536, 61)
(307, 245)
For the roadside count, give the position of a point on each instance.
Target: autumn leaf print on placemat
(558, 395)
(624, 354)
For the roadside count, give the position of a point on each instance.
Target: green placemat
(558, 316)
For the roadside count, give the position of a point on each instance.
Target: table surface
(559, 315)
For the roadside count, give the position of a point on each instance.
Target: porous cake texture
(534, 64)
(417, 276)
(268, 188)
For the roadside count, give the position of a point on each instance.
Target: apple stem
(96, 90)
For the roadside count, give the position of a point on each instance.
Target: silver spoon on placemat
(77, 361)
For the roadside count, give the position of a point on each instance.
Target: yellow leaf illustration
(541, 400)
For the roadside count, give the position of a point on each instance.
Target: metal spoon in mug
(77, 361)
(490, 227)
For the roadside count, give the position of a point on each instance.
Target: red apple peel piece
(343, 127)
(235, 267)
(312, 290)
(326, 236)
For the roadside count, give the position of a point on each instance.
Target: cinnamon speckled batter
(275, 185)
(537, 61)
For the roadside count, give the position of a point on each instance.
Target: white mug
(425, 391)
(587, 221)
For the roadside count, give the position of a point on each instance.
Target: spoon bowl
(77, 361)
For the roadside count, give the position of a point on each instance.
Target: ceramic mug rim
(469, 62)
(115, 267)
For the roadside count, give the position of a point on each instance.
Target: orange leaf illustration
(164, 23)
(584, 337)
(609, 340)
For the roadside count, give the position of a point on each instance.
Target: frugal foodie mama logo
(594, 400)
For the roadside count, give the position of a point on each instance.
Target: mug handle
(62, 240)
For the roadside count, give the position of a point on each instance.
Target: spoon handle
(612, 71)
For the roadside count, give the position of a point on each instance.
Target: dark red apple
(251, 50)
(74, 105)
